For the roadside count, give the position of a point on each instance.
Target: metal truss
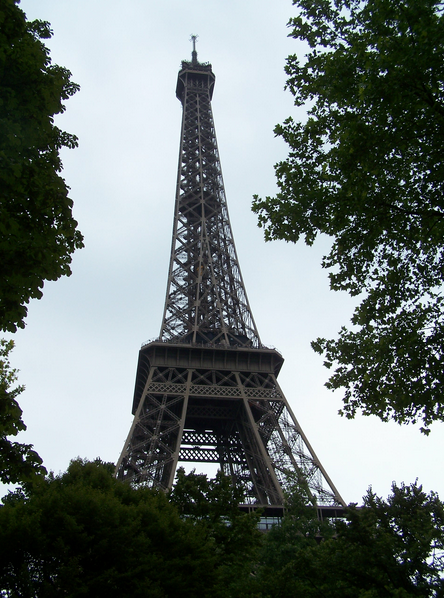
(206, 390)
(206, 299)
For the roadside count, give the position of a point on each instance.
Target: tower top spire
(193, 38)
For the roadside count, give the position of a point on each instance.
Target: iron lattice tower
(206, 391)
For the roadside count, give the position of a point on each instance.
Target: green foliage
(213, 507)
(396, 546)
(289, 547)
(367, 169)
(390, 548)
(84, 533)
(18, 462)
(37, 231)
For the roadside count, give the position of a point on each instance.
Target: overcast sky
(78, 353)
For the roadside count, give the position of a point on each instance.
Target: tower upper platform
(195, 74)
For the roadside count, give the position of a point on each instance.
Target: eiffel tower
(206, 390)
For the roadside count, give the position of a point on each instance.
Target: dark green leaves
(367, 169)
(213, 507)
(37, 231)
(391, 548)
(18, 462)
(83, 533)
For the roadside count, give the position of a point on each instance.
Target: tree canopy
(84, 533)
(213, 506)
(37, 230)
(366, 168)
(386, 548)
(18, 461)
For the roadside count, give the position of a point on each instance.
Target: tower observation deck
(206, 390)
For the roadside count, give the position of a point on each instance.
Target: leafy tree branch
(366, 168)
(38, 233)
(19, 463)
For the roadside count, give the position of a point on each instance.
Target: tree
(84, 533)
(18, 462)
(213, 507)
(290, 548)
(366, 168)
(392, 548)
(37, 230)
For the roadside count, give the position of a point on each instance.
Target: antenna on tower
(193, 38)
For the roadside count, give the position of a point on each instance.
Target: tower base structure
(223, 405)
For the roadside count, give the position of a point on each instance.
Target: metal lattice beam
(206, 299)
